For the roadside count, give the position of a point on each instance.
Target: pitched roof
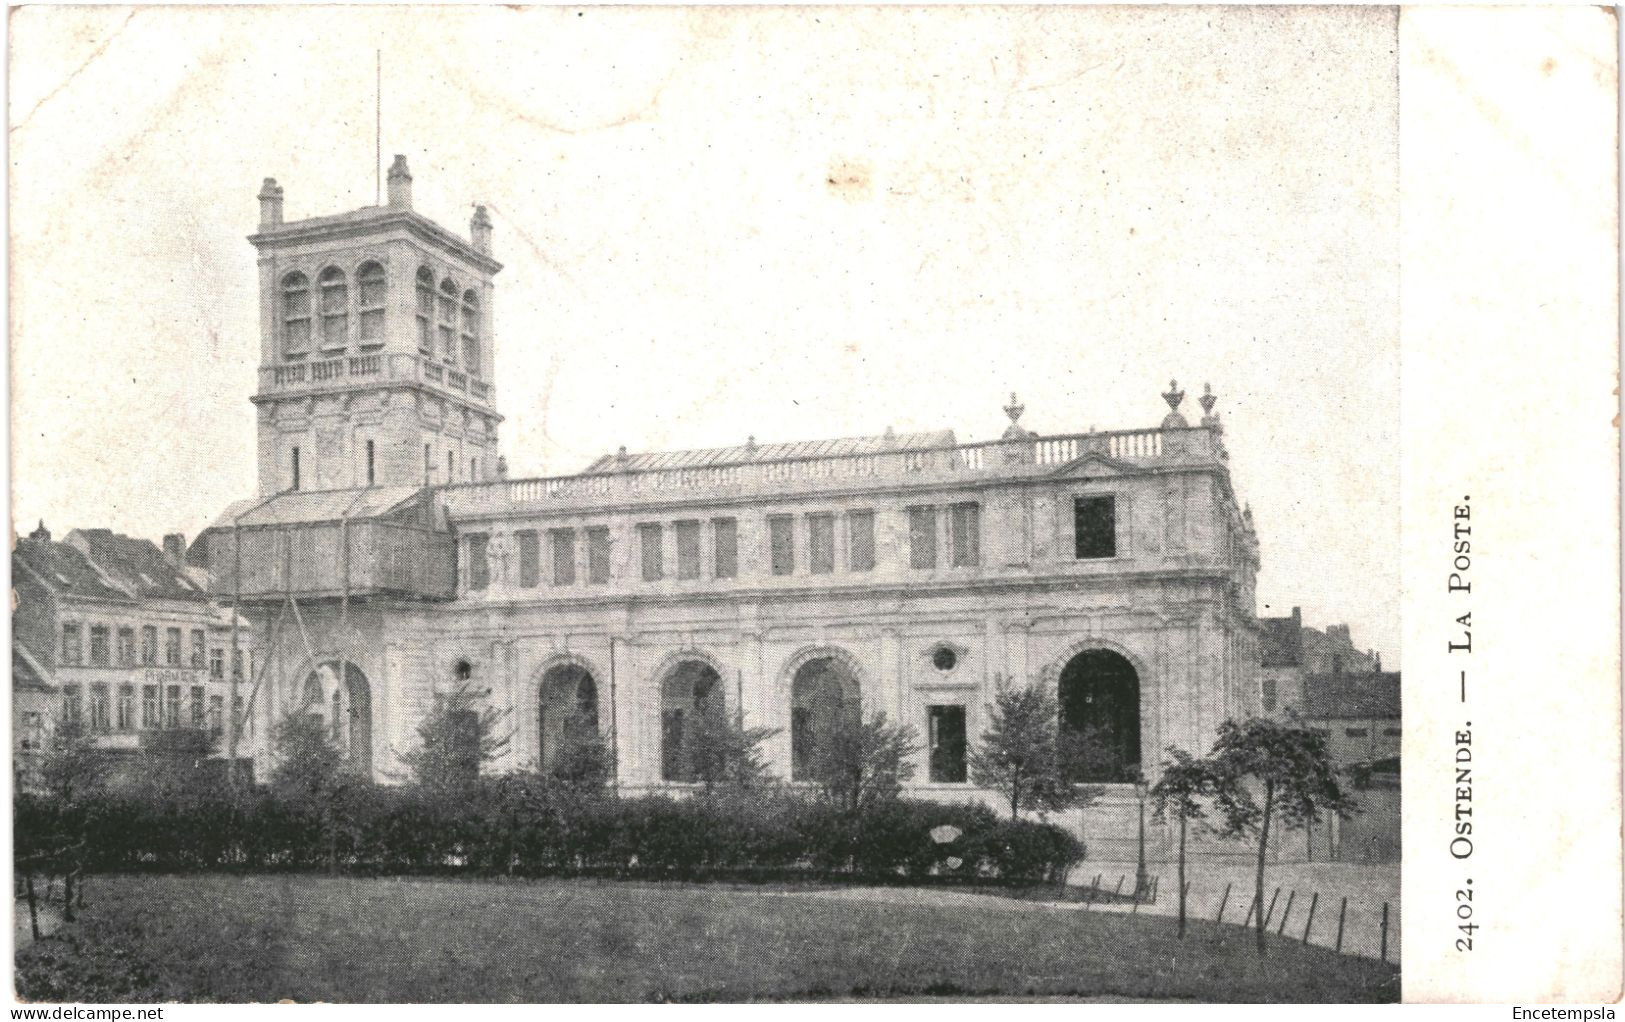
(65, 569)
(306, 506)
(1375, 694)
(26, 670)
(746, 453)
(1281, 642)
(137, 565)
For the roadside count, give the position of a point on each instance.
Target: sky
(715, 223)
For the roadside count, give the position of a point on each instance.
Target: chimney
(175, 549)
(1297, 617)
(479, 230)
(41, 534)
(400, 183)
(270, 203)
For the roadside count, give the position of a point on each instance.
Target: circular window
(462, 670)
(944, 659)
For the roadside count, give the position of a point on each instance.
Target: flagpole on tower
(378, 130)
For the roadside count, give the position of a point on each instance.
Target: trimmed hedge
(527, 826)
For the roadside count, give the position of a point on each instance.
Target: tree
(310, 774)
(584, 758)
(1294, 770)
(455, 741)
(1177, 793)
(719, 750)
(1020, 753)
(71, 771)
(859, 763)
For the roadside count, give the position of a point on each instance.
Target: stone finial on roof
(42, 534)
(620, 458)
(750, 444)
(1174, 396)
(1014, 409)
(1209, 399)
(400, 183)
(479, 230)
(889, 438)
(502, 466)
(270, 203)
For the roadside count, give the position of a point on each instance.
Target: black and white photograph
(748, 504)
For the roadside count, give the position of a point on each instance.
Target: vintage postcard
(522, 505)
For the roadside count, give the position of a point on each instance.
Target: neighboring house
(1359, 716)
(1289, 652)
(115, 636)
(388, 556)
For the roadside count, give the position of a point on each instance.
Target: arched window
(295, 314)
(567, 721)
(448, 321)
(824, 696)
(690, 694)
(425, 310)
(370, 289)
(335, 308)
(471, 332)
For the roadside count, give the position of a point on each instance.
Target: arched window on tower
(295, 314)
(370, 290)
(448, 321)
(335, 308)
(471, 332)
(425, 310)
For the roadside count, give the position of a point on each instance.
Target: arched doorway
(1100, 717)
(823, 692)
(337, 691)
(567, 707)
(692, 688)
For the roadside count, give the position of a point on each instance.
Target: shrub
(1027, 852)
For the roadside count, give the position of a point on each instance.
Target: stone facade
(917, 572)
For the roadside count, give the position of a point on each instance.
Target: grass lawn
(309, 938)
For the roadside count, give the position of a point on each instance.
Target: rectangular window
(199, 707)
(1094, 521)
(597, 555)
(149, 645)
(1354, 732)
(237, 665)
(479, 566)
(99, 652)
(821, 543)
(922, 537)
(653, 556)
(1390, 732)
(33, 730)
(801, 743)
(530, 558)
(451, 467)
(781, 543)
(688, 550)
(860, 528)
(217, 664)
(725, 556)
(149, 706)
(172, 647)
(172, 706)
(965, 535)
(295, 461)
(73, 637)
(947, 744)
(199, 654)
(217, 714)
(72, 706)
(100, 710)
(126, 707)
(126, 647)
(464, 744)
(1269, 693)
(564, 556)
(372, 475)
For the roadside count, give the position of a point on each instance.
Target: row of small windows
(122, 650)
(161, 707)
(448, 317)
(1357, 732)
(814, 534)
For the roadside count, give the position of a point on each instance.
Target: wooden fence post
(33, 904)
(1270, 914)
(1286, 912)
(1222, 903)
(1252, 906)
(1385, 931)
(1341, 912)
(1094, 887)
(1313, 901)
(1118, 892)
